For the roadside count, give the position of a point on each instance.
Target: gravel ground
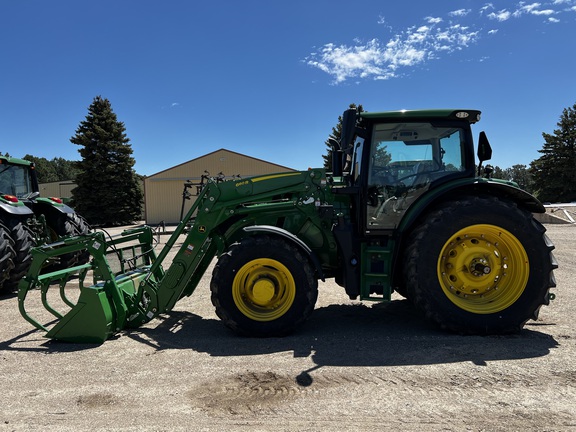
(352, 367)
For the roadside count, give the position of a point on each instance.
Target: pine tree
(108, 192)
(554, 173)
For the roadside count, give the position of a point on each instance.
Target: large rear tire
(23, 240)
(263, 286)
(66, 225)
(7, 255)
(479, 265)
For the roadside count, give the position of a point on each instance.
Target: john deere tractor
(27, 220)
(404, 209)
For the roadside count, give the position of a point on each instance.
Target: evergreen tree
(336, 133)
(108, 191)
(554, 172)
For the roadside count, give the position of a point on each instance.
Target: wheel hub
(480, 267)
(263, 291)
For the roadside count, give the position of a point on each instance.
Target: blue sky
(269, 79)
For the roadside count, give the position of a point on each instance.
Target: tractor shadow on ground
(392, 334)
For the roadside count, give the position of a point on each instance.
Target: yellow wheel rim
(263, 289)
(483, 269)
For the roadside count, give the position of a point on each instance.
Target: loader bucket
(101, 296)
(90, 320)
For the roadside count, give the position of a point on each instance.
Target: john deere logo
(201, 229)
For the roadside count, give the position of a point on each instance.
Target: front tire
(479, 266)
(263, 286)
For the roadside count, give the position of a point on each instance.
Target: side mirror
(347, 135)
(484, 150)
(348, 127)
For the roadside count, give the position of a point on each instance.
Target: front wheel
(479, 266)
(263, 286)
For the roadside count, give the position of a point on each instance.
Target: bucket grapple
(102, 296)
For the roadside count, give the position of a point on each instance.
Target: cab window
(405, 159)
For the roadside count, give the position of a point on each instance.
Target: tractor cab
(398, 156)
(17, 178)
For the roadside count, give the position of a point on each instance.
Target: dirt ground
(352, 367)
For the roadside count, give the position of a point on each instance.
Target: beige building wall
(61, 189)
(163, 190)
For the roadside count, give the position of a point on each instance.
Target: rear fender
(462, 187)
(269, 229)
(44, 205)
(16, 209)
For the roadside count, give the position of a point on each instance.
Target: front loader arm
(137, 289)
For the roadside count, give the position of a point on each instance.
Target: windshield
(15, 180)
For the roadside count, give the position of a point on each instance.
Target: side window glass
(451, 152)
(405, 159)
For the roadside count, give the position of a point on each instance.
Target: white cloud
(433, 20)
(532, 9)
(502, 15)
(436, 37)
(384, 60)
(459, 13)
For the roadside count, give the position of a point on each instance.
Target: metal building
(60, 189)
(163, 191)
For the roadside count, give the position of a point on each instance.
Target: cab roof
(472, 116)
(14, 161)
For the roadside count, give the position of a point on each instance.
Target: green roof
(457, 114)
(15, 161)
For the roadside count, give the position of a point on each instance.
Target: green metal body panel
(471, 116)
(14, 161)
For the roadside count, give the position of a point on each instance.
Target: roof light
(55, 199)
(10, 198)
(462, 114)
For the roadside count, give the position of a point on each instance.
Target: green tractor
(27, 220)
(404, 209)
